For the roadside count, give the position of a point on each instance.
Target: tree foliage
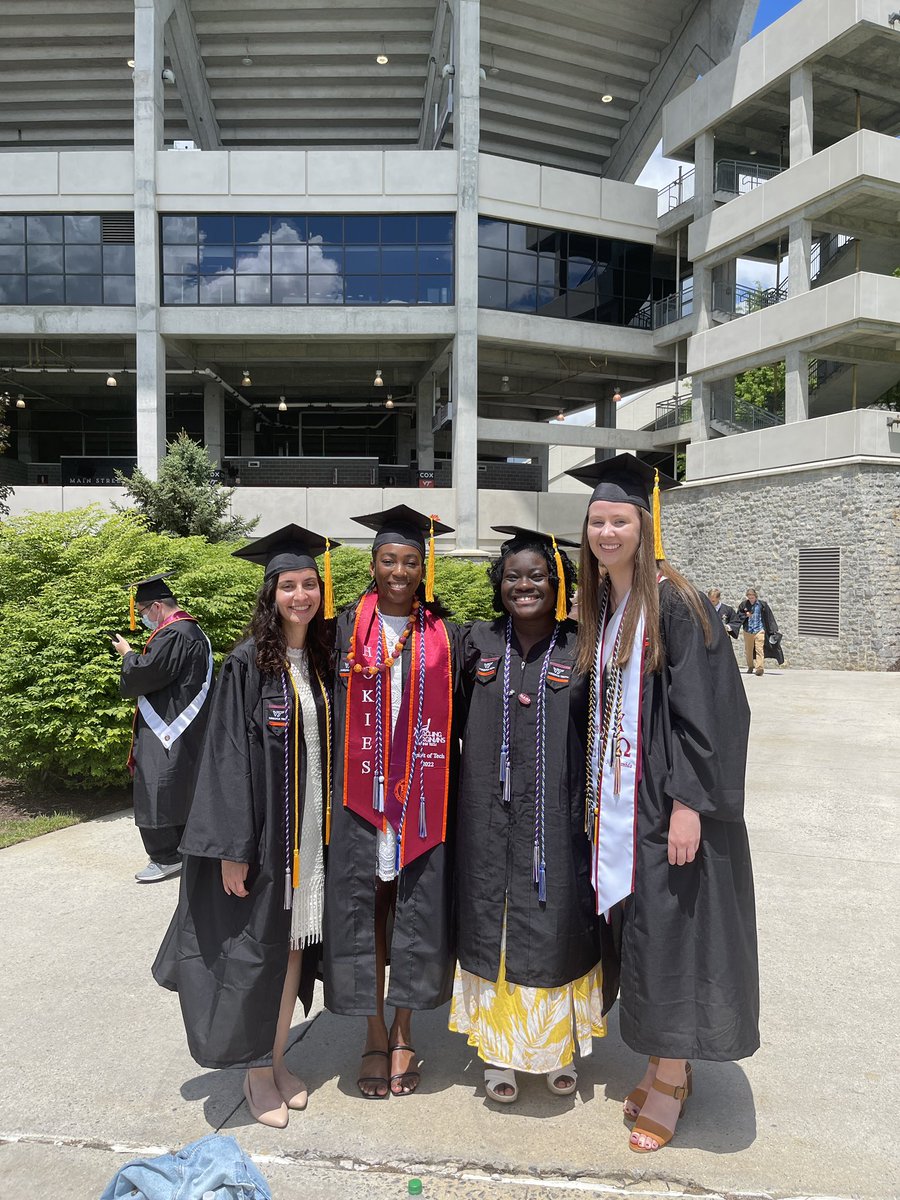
(63, 576)
(187, 498)
(761, 386)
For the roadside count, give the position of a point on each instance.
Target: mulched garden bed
(18, 800)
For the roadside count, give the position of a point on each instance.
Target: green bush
(61, 588)
(62, 585)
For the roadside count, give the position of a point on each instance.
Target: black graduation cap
(145, 591)
(404, 526)
(626, 480)
(517, 533)
(293, 548)
(623, 480)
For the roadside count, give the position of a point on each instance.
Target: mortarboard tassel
(658, 551)
(429, 567)
(562, 609)
(329, 586)
(132, 623)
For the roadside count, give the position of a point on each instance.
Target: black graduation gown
(772, 641)
(689, 969)
(227, 956)
(551, 944)
(170, 673)
(420, 951)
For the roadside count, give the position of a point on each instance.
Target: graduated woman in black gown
(667, 743)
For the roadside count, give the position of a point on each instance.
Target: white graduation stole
(615, 762)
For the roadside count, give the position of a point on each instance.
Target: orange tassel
(658, 551)
(562, 609)
(132, 623)
(295, 876)
(329, 587)
(429, 567)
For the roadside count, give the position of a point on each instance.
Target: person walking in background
(171, 679)
(246, 937)
(762, 639)
(725, 612)
(668, 724)
(528, 988)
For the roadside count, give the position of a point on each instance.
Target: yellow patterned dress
(530, 1029)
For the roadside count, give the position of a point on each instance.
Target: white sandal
(562, 1073)
(495, 1075)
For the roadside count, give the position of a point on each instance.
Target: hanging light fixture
(493, 69)
(20, 401)
(606, 96)
(617, 395)
(247, 60)
(282, 404)
(389, 403)
(111, 380)
(382, 58)
(378, 381)
(561, 416)
(504, 383)
(246, 381)
(129, 62)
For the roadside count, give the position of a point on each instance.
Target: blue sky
(771, 10)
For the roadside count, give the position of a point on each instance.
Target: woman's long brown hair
(267, 631)
(592, 579)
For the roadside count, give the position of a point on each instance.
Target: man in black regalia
(171, 679)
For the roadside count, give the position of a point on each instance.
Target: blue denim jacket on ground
(213, 1167)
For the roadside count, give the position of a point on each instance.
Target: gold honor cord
(327, 780)
(295, 857)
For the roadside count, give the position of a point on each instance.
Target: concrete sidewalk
(95, 1068)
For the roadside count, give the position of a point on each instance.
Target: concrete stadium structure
(399, 242)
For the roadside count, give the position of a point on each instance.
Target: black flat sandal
(373, 1078)
(408, 1079)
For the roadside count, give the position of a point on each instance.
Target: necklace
(391, 658)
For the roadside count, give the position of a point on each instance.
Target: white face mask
(148, 622)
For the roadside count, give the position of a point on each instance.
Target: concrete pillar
(214, 420)
(464, 390)
(248, 433)
(424, 417)
(704, 171)
(799, 252)
(796, 386)
(149, 24)
(604, 418)
(406, 442)
(801, 118)
(541, 456)
(703, 296)
(701, 410)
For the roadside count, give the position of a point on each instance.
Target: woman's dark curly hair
(271, 646)
(539, 546)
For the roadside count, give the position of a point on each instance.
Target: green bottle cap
(414, 1187)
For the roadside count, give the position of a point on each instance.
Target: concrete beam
(710, 33)
(433, 79)
(183, 49)
(534, 433)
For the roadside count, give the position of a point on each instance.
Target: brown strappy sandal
(652, 1129)
(637, 1096)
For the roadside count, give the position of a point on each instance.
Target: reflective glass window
(253, 260)
(288, 289)
(398, 229)
(83, 260)
(289, 260)
(215, 230)
(46, 289)
(436, 289)
(252, 229)
(118, 260)
(550, 303)
(492, 233)
(523, 267)
(178, 289)
(12, 289)
(12, 230)
(361, 229)
(436, 229)
(521, 297)
(400, 260)
(82, 229)
(435, 259)
(326, 229)
(362, 289)
(492, 293)
(547, 268)
(45, 259)
(362, 260)
(44, 229)
(217, 289)
(252, 289)
(398, 289)
(216, 259)
(289, 229)
(179, 230)
(492, 263)
(182, 260)
(12, 258)
(326, 289)
(118, 289)
(325, 260)
(84, 289)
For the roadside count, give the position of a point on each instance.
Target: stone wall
(748, 532)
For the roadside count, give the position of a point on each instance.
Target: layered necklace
(540, 739)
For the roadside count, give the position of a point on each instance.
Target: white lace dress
(309, 897)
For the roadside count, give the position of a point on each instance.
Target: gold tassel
(132, 623)
(562, 609)
(429, 568)
(329, 586)
(658, 551)
(295, 875)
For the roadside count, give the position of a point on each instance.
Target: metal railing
(643, 317)
(822, 369)
(673, 412)
(739, 299)
(744, 416)
(674, 307)
(735, 177)
(824, 250)
(675, 193)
